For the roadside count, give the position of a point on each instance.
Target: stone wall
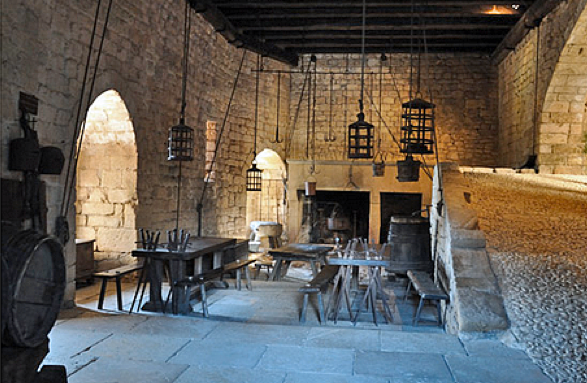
(44, 48)
(461, 263)
(463, 86)
(545, 117)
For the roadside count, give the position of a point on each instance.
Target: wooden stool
(116, 273)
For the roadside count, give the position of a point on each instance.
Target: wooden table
(305, 252)
(156, 259)
(341, 293)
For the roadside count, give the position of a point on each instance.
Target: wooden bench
(315, 286)
(116, 273)
(425, 287)
(238, 265)
(197, 280)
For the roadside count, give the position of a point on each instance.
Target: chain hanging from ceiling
(360, 132)
(417, 130)
(254, 174)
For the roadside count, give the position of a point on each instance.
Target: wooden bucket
(310, 188)
(37, 268)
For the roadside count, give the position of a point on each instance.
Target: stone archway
(270, 203)
(563, 127)
(107, 181)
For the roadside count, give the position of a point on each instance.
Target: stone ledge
(480, 311)
(472, 239)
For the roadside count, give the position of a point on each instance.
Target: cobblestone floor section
(536, 228)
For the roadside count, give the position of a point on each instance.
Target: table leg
(314, 270)
(155, 275)
(178, 300)
(276, 269)
(335, 291)
(217, 260)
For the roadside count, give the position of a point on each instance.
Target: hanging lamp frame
(254, 174)
(360, 133)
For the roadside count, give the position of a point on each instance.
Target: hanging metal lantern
(360, 138)
(418, 127)
(254, 178)
(181, 143)
(408, 170)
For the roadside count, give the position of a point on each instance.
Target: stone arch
(107, 181)
(270, 203)
(563, 119)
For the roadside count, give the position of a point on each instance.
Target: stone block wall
(461, 262)
(542, 96)
(463, 86)
(44, 48)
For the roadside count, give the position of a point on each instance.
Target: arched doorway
(107, 181)
(270, 203)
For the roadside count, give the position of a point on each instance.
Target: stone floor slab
(103, 322)
(468, 369)
(222, 354)
(356, 339)
(297, 377)
(200, 374)
(116, 370)
(491, 347)
(138, 347)
(175, 327)
(65, 343)
(397, 341)
(307, 359)
(261, 334)
(407, 365)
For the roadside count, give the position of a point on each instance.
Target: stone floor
(536, 240)
(255, 336)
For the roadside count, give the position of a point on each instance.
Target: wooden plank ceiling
(284, 29)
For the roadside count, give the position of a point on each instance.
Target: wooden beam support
(223, 26)
(529, 20)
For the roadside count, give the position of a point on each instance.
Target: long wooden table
(305, 252)
(156, 259)
(341, 292)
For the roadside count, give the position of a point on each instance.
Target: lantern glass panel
(181, 143)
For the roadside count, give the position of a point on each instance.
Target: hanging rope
(257, 78)
(200, 204)
(278, 101)
(293, 126)
(62, 227)
(363, 56)
(331, 137)
(186, 53)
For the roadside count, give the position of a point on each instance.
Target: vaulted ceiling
(284, 29)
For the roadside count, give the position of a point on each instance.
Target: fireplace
(336, 214)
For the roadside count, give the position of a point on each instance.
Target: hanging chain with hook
(331, 137)
(277, 140)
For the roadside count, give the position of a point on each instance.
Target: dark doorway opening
(397, 204)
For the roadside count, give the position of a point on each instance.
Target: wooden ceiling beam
(260, 4)
(223, 26)
(238, 14)
(330, 22)
(531, 19)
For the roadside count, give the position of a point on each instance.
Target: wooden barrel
(37, 268)
(6, 293)
(409, 240)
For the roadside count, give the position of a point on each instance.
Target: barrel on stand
(37, 274)
(409, 240)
